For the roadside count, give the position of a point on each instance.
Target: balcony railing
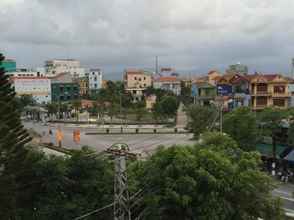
(285, 94)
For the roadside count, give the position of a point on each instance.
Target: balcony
(282, 95)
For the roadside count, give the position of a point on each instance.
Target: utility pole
(121, 209)
(221, 118)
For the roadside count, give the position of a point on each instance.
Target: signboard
(194, 90)
(224, 90)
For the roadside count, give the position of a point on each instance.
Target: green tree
(201, 118)
(291, 135)
(241, 125)
(166, 107)
(186, 91)
(23, 101)
(52, 109)
(214, 180)
(68, 187)
(270, 122)
(14, 160)
(77, 104)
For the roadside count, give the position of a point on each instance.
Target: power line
(93, 212)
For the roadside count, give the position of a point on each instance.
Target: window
(261, 101)
(144, 78)
(135, 78)
(279, 102)
(261, 88)
(279, 89)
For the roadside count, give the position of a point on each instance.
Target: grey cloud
(114, 34)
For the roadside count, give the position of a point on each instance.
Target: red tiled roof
(168, 79)
(134, 71)
(268, 77)
(237, 78)
(211, 71)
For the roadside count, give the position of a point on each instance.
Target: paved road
(285, 192)
(137, 142)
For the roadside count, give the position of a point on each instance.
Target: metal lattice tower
(121, 194)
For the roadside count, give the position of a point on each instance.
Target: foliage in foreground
(213, 180)
(66, 187)
(241, 125)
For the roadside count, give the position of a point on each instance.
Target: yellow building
(269, 91)
(136, 81)
(84, 85)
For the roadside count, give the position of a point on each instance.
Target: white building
(27, 73)
(168, 83)
(55, 67)
(38, 87)
(95, 79)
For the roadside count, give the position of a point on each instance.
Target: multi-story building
(95, 80)
(64, 88)
(269, 91)
(203, 92)
(9, 65)
(136, 81)
(168, 83)
(238, 68)
(27, 73)
(38, 87)
(83, 85)
(57, 66)
(240, 88)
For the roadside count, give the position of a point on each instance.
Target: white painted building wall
(95, 79)
(55, 67)
(38, 87)
(27, 73)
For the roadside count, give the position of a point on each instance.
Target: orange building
(136, 81)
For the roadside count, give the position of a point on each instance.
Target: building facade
(9, 65)
(95, 80)
(136, 81)
(27, 73)
(83, 85)
(38, 87)
(203, 93)
(269, 91)
(168, 83)
(238, 68)
(57, 66)
(64, 88)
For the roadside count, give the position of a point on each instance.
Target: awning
(267, 149)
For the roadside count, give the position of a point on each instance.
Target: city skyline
(114, 35)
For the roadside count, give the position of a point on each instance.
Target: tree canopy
(241, 125)
(213, 180)
(166, 107)
(201, 118)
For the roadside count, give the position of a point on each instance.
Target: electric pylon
(121, 194)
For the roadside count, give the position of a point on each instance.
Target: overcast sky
(190, 35)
